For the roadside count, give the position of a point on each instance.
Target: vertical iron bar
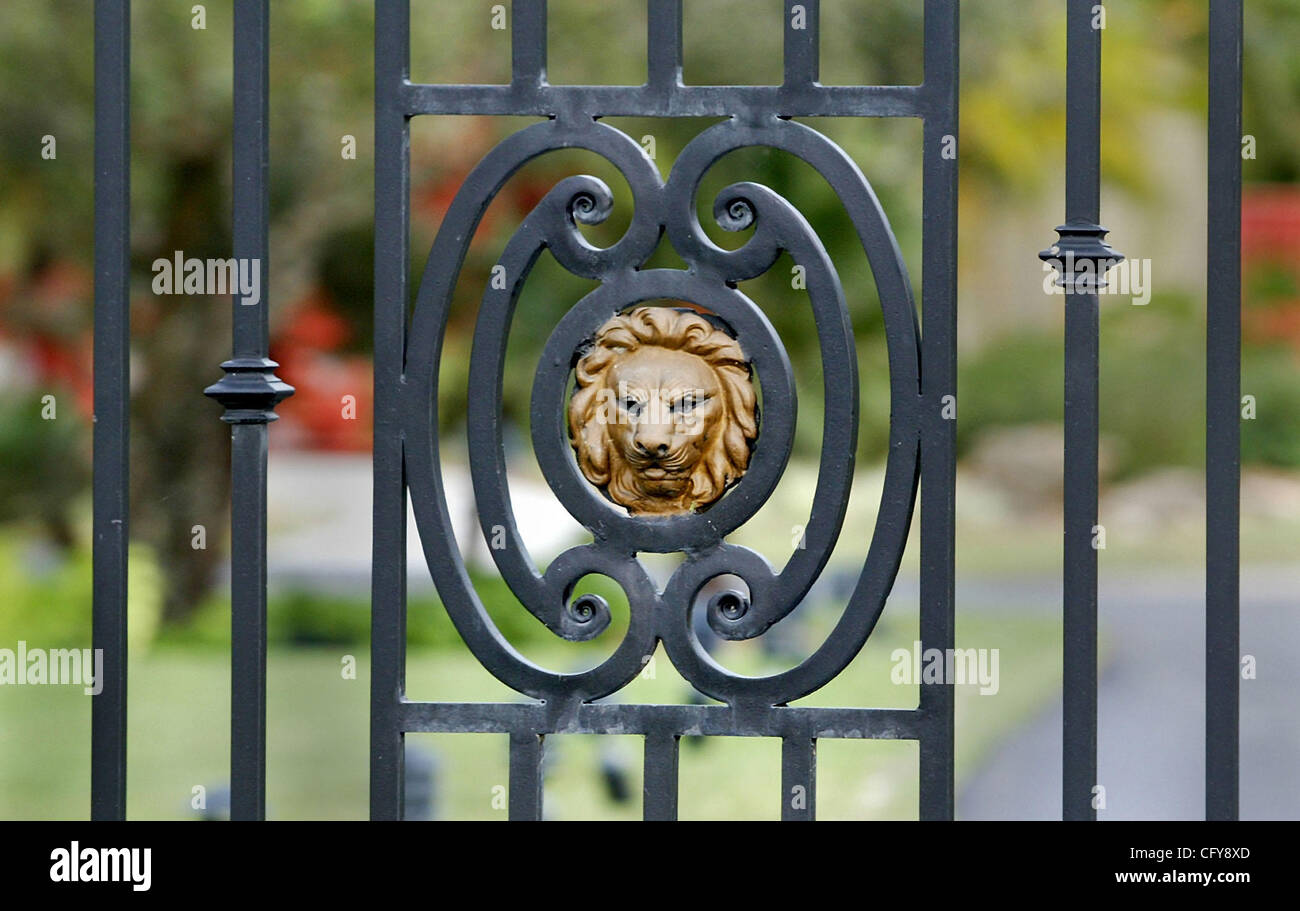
(248, 621)
(112, 402)
(388, 561)
(664, 44)
(938, 381)
(528, 43)
(251, 160)
(802, 45)
(659, 777)
(250, 391)
(1079, 576)
(526, 754)
(798, 778)
(1083, 115)
(1079, 759)
(248, 440)
(1222, 418)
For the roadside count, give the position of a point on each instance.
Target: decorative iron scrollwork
(685, 499)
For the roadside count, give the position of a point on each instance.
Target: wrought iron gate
(922, 375)
(406, 407)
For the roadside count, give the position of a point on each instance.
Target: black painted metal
(938, 381)
(1081, 256)
(407, 394)
(527, 751)
(922, 387)
(659, 783)
(250, 390)
(112, 401)
(799, 777)
(1222, 415)
(388, 566)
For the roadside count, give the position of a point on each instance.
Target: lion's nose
(651, 442)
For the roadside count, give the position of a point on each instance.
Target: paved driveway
(1151, 736)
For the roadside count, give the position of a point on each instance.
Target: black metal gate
(922, 374)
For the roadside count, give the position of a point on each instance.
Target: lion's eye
(631, 406)
(688, 402)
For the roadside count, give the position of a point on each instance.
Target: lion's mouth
(656, 473)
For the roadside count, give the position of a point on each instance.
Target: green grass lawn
(318, 733)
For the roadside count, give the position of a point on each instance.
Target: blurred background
(1009, 431)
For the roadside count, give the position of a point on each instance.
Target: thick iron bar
(1079, 757)
(1222, 417)
(798, 779)
(802, 48)
(388, 564)
(527, 750)
(528, 43)
(251, 162)
(1082, 257)
(653, 101)
(939, 391)
(1082, 206)
(664, 47)
(248, 441)
(697, 720)
(1083, 115)
(112, 402)
(659, 778)
(250, 391)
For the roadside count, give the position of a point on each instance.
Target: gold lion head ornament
(663, 417)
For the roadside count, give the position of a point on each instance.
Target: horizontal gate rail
(681, 720)
(677, 101)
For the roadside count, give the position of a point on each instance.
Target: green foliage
(1152, 388)
(1271, 90)
(1015, 381)
(45, 595)
(1152, 396)
(45, 462)
(1272, 376)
